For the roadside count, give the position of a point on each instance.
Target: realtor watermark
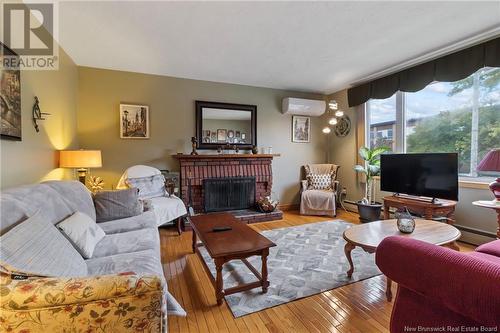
(29, 31)
(450, 328)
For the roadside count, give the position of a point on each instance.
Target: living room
(174, 166)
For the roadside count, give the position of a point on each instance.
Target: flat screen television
(433, 175)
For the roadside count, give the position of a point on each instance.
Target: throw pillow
(114, 205)
(82, 232)
(149, 187)
(36, 247)
(320, 181)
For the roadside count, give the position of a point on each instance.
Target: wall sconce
(38, 114)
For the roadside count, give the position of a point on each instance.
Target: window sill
(480, 185)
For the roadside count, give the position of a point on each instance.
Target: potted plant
(368, 208)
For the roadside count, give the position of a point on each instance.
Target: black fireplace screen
(229, 193)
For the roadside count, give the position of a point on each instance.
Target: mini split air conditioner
(303, 107)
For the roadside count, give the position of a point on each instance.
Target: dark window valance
(452, 67)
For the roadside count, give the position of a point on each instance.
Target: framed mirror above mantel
(223, 124)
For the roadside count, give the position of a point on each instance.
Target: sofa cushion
(127, 242)
(492, 248)
(75, 195)
(112, 205)
(141, 263)
(36, 247)
(82, 232)
(149, 187)
(486, 257)
(145, 220)
(55, 200)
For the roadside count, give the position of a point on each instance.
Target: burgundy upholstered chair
(439, 287)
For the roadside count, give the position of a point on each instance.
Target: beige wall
(172, 115)
(344, 153)
(34, 158)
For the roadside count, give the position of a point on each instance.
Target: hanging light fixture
(327, 130)
(333, 105)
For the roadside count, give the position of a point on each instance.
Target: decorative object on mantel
(10, 100)
(219, 150)
(405, 222)
(96, 184)
(194, 142)
(267, 204)
(301, 129)
(80, 160)
(491, 163)
(38, 114)
(134, 121)
(255, 150)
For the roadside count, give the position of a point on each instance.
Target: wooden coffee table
(369, 235)
(239, 243)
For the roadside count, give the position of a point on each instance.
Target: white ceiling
(306, 46)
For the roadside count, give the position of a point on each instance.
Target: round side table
(492, 204)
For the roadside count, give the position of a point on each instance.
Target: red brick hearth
(198, 167)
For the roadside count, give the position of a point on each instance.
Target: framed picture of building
(301, 129)
(134, 121)
(10, 98)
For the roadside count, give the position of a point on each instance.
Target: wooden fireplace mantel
(222, 156)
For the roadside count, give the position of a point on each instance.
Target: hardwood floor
(358, 307)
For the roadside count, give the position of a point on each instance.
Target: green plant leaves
(359, 168)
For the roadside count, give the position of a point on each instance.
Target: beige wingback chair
(319, 190)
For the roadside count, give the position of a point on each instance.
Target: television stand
(429, 209)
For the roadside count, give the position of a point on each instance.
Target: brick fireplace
(194, 169)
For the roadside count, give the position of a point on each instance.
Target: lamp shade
(490, 162)
(80, 159)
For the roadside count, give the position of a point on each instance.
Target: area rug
(307, 260)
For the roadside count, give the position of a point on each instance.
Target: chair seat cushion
(36, 247)
(128, 242)
(167, 208)
(317, 202)
(492, 248)
(145, 220)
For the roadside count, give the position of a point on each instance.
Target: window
(461, 117)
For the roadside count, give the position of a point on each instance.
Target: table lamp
(80, 160)
(491, 162)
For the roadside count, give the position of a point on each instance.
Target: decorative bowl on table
(267, 204)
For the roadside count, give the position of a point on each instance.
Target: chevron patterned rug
(307, 260)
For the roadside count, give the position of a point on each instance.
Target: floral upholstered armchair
(319, 190)
(112, 303)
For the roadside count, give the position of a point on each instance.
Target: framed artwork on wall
(134, 121)
(301, 129)
(10, 98)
